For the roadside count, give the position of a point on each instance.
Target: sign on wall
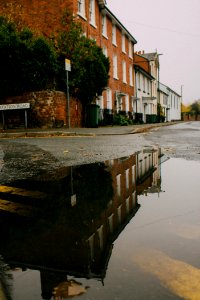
(14, 106)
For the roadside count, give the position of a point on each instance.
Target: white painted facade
(144, 102)
(174, 106)
(170, 102)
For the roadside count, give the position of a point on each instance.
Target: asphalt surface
(26, 154)
(181, 140)
(105, 130)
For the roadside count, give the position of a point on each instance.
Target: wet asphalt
(25, 155)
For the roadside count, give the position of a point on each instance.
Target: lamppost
(68, 69)
(159, 108)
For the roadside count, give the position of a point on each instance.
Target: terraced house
(134, 77)
(99, 24)
(117, 43)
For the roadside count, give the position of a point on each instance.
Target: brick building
(98, 23)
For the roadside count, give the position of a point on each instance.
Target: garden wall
(48, 109)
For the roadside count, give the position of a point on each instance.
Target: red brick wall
(40, 15)
(118, 85)
(44, 16)
(49, 106)
(190, 117)
(142, 62)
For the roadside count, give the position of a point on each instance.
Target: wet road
(181, 140)
(115, 230)
(27, 157)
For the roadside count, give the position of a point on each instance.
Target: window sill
(105, 36)
(93, 25)
(82, 16)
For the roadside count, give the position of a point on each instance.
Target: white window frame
(127, 108)
(130, 49)
(105, 50)
(124, 71)
(109, 98)
(131, 75)
(114, 35)
(81, 8)
(123, 43)
(104, 26)
(115, 66)
(92, 13)
(118, 184)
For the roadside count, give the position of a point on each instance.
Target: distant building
(161, 94)
(148, 102)
(174, 105)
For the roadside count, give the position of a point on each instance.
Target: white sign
(67, 65)
(14, 106)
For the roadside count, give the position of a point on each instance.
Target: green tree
(90, 67)
(195, 107)
(27, 63)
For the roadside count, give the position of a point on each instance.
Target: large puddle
(123, 229)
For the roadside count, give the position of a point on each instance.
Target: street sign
(14, 106)
(67, 65)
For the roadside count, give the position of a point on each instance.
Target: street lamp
(158, 54)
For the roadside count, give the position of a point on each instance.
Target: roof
(102, 3)
(150, 56)
(163, 88)
(119, 24)
(143, 71)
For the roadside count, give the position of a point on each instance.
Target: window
(144, 84)
(104, 26)
(131, 75)
(115, 70)
(118, 179)
(127, 206)
(124, 71)
(148, 86)
(81, 7)
(114, 39)
(123, 43)
(119, 213)
(127, 103)
(92, 12)
(105, 51)
(139, 82)
(110, 222)
(130, 50)
(127, 179)
(109, 99)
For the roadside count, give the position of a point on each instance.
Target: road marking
(17, 208)
(22, 192)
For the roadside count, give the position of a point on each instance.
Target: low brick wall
(190, 117)
(48, 109)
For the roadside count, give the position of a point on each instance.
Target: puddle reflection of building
(5, 281)
(148, 170)
(77, 238)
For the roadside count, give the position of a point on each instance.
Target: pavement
(64, 132)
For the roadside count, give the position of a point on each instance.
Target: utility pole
(68, 69)
(159, 109)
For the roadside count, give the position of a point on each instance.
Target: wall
(190, 117)
(48, 109)
(42, 16)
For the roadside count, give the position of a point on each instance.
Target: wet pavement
(124, 226)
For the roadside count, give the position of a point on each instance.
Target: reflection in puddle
(104, 231)
(66, 223)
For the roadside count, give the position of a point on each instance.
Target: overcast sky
(172, 28)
